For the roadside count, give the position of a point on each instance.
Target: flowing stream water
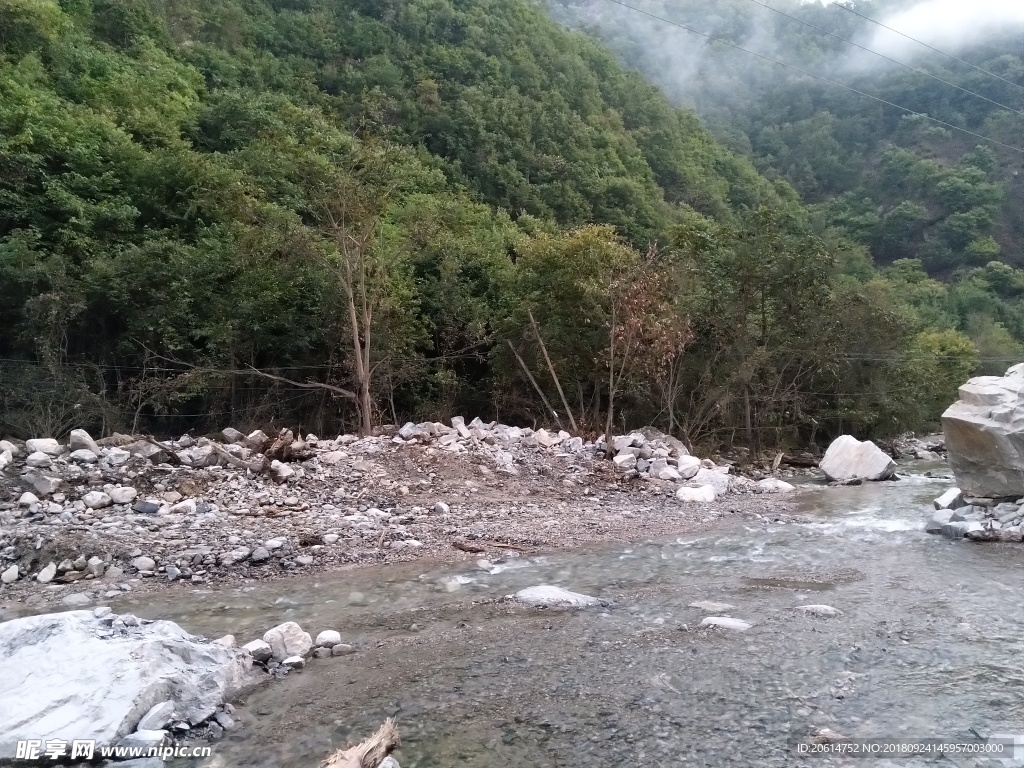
(930, 644)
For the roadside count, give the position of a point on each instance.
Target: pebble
(294, 662)
(259, 555)
(331, 538)
(144, 564)
(10, 575)
(46, 575)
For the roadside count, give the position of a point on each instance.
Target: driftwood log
(368, 754)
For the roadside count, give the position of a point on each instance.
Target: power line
(887, 58)
(848, 9)
(818, 77)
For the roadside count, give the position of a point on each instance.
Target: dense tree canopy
(206, 208)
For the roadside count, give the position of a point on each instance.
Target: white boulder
(116, 681)
(716, 478)
(96, 500)
(287, 640)
(661, 470)
(80, 440)
(259, 650)
(850, 459)
(774, 485)
(123, 495)
(951, 499)
(46, 445)
(328, 638)
(688, 466)
(38, 460)
(984, 432)
(704, 493)
(545, 596)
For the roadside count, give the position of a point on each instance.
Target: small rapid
(930, 644)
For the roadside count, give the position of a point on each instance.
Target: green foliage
(172, 176)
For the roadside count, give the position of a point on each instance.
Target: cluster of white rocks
(287, 646)
(977, 518)
(646, 453)
(547, 596)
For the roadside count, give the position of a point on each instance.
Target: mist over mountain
(949, 25)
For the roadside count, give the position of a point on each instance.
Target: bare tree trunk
(533, 381)
(554, 376)
(609, 442)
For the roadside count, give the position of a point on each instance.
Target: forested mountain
(300, 211)
(900, 184)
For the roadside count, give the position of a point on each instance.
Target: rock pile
(88, 517)
(984, 432)
(979, 519)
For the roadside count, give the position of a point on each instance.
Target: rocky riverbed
(86, 520)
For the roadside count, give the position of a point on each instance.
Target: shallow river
(930, 645)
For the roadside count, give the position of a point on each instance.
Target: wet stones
(951, 499)
(820, 611)
(547, 596)
(726, 622)
(712, 607)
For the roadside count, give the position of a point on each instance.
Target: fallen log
(800, 461)
(368, 754)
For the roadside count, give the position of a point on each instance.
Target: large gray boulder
(850, 459)
(985, 435)
(75, 676)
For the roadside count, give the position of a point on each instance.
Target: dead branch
(536, 386)
(368, 754)
(257, 468)
(551, 370)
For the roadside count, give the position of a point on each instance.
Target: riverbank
(123, 521)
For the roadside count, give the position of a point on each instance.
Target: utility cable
(817, 77)
(848, 9)
(887, 58)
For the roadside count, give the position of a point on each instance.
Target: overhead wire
(849, 9)
(828, 80)
(887, 58)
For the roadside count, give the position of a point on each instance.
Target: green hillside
(901, 185)
(186, 187)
